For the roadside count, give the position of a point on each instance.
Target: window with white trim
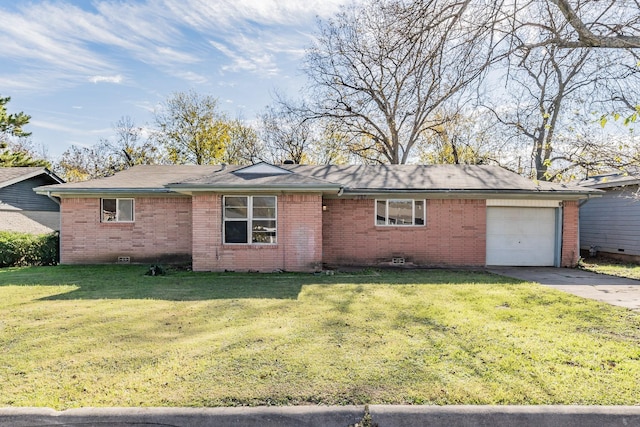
(116, 210)
(250, 219)
(401, 212)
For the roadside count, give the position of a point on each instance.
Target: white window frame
(249, 220)
(117, 217)
(413, 213)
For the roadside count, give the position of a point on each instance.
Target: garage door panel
(520, 236)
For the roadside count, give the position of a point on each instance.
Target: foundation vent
(397, 260)
(124, 260)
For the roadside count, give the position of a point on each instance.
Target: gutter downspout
(57, 202)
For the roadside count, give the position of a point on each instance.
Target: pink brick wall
(343, 234)
(161, 232)
(570, 250)
(454, 234)
(299, 237)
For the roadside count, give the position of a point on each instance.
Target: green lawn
(110, 336)
(611, 267)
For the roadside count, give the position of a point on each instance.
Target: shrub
(20, 249)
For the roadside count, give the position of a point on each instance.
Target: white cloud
(247, 59)
(106, 79)
(229, 13)
(58, 44)
(192, 77)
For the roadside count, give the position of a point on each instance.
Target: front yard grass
(110, 336)
(612, 267)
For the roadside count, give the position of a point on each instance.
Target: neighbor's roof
(332, 179)
(609, 180)
(13, 175)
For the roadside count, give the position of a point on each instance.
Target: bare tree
(600, 24)
(465, 137)
(380, 72)
(286, 135)
(243, 146)
(547, 84)
(128, 147)
(83, 163)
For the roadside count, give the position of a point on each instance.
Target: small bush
(21, 249)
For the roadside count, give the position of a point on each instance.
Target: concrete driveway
(600, 287)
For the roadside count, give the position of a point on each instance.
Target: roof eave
(98, 191)
(569, 194)
(253, 188)
(612, 184)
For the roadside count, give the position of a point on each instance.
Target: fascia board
(100, 192)
(479, 194)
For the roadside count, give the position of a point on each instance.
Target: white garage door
(519, 236)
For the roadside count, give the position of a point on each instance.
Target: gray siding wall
(612, 222)
(21, 196)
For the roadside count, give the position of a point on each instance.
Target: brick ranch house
(299, 218)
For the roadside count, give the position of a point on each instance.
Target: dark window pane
(235, 232)
(108, 210)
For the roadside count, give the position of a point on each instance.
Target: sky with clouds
(78, 66)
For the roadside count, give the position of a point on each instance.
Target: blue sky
(78, 66)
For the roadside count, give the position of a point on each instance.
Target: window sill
(401, 226)
(250, 246)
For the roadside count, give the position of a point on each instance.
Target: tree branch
(586, 37)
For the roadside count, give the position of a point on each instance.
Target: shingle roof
(9, 176)
(615, 179)
(235, 176)
(426, 177)
(329, 178)
(141, 177)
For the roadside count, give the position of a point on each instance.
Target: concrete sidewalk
(601, 287)
(328, 416)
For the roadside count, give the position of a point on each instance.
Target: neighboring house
(299, 218)
(23, 210)
(611, 224)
